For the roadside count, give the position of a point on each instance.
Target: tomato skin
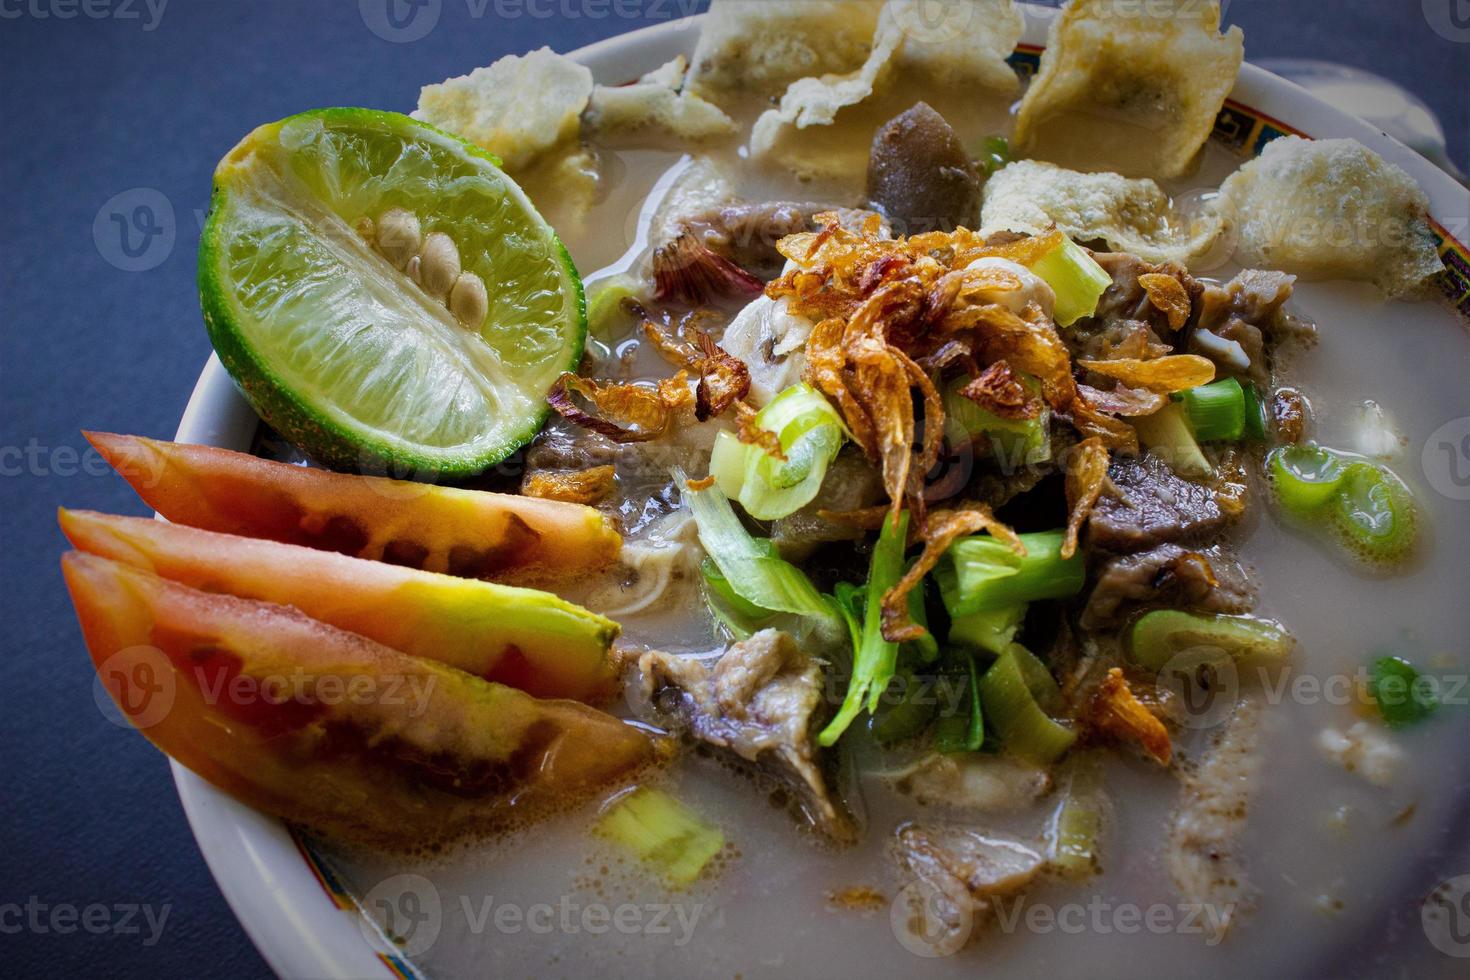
(468, 533)
(328, 729)
(529, 640)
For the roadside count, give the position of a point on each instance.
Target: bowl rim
(298, 915)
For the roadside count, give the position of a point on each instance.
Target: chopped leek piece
(810, 432)
(1015, 716)
(926, 647)
(1216, 411)
(607, 314)
(1039, 680)
(1161, 636)
(1168, 434)
(982, 574)
(1374, 514)
(991, 631)
(874, 659)
(1257, 424)
(909, 717)
(664, 833)
(751, 568)
(964, 729)
(1304, 478)
(1369, 507)
(1076, 828)
(742, 618)
(1404, 697)
(1076, 278)
(1015, 442)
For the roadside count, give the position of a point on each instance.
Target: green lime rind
(319, 422)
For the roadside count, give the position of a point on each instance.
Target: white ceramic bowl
(302, 923)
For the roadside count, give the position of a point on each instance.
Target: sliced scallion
(963, 730)
(874, 659)
(1073, 837)
(1164, 634)
(1304, 478)
(1256, 422)
(1404, 696)
(1216, 411)
(983, 574)
(1012, 711)
(992, 630)
(909, 717)
(1168, 435)
(1374, 514)
(750, 567)
(810, 433)
(662, 832)
(926, 647)
(1076, 278)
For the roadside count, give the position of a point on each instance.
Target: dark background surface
(144, 105)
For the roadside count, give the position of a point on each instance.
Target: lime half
(384, 295)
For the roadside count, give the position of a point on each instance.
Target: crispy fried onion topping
(573, 486)
(751, 433)
(1116, 710)
(723, 378)
(1164, 375)
(939, 530)
(1087, 476)
(890, 311)
(645, 412)
(1001, 392)
(688, 270)
(1167, 295)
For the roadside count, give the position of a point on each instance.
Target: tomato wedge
(531, 640)
(468, 533)
(331, 730)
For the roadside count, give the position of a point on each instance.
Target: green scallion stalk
(1304, 478)
(1216, 411)
(982, 574)
(1166, 635)
(1074, 835)
(991, 631)
(1076, 278)
(1012, 711)
(810, 433)
(1404, 696)
(1015, 442)
(964, 730)
(1374, 514)
(662, 832)
(1257, 423)
(1168, 434)
(908, 718)
(995, 153)
(874, 659)
(750, 567)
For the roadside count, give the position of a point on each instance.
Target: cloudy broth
(1340, 866)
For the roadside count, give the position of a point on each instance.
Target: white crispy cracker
(1130, 87)
(758, 47)
(517, 108)
(1130, 215)
(920, 46)
(655, 111)
(1333, 209)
